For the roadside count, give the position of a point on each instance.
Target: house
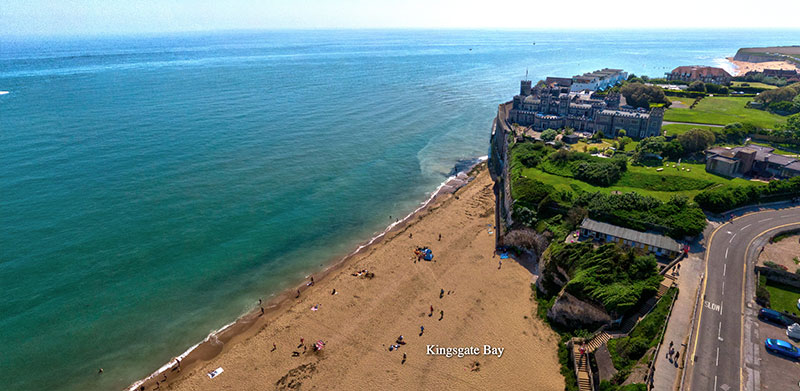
(700, 73)
(649, 242)
(751, 160)
(570, 138)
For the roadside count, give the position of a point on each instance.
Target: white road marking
(731, 241)
(716, 363)
(761, 221)
(724, 269)
(723, 287)
(720, 307)
(719, 331)
(712, 306)
(715, 383)
(726, 253)
(742, 229)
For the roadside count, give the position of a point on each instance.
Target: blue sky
(96, 17)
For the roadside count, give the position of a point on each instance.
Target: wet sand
(482, 305)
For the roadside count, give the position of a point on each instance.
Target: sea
(153, 188)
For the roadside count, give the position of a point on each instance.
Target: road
(717, 353)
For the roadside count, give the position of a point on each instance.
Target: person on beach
(440, 237)
(441, 314)
(274, 347)
(334, 291)
(301, 342)
(178, 364)
(441, 293)
(410, 235)
(431, 314)
(421, 330)
(298, 294)
(404, 359)
(677, 354)
(262, 311)
(499, 265)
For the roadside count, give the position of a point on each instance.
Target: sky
(113, 17)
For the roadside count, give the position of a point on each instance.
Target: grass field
(754, 84)
(644, 180)
(676, 129)
(783, 297)
(722, 111)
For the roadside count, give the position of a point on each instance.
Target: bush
(697, 86)
(696, 140)
(762, 294)
(609, 276)
(549, 135)
(773, 265)
(727, 197)
(598, 173)
(640, 95)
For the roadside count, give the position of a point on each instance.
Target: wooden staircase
(668, 282)
(581, 363)
(597, 341)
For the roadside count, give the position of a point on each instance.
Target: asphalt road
(717, 354)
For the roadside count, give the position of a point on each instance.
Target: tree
(673, 149)
(640, 95)
(621, 133)
(787, 93)
(623, 141)
(598, 135)
(696, 140)
(549, 135)
(697, 86)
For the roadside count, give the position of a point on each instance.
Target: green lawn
(676, 129)
(783, 297)
(722, 111)
(754, 84)
(644, 180)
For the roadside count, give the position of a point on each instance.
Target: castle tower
(654, 123)
(525, 88)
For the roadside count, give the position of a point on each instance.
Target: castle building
(554, 105)
(700, 73)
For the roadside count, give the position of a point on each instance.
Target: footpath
(667, 371)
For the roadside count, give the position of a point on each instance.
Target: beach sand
(482, 305)
(743, 67)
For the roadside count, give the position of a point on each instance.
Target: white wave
(3, 92)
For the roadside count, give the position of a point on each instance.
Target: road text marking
(712, 306)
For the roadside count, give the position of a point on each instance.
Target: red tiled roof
(701, 71)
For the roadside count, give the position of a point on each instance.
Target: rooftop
(649, 239)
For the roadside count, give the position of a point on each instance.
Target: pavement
(667, 371)
(719, 360)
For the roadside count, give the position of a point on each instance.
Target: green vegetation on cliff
(609, 276)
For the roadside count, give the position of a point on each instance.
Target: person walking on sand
(441, 314)
(440, 237)
(410, 235)
(274, 347)
(404, 359)
(298, 294)
(334, 291)
(441, 293)
(431, 314)
(421, 330)
(499, 265)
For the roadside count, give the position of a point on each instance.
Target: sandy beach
(743, 67)
(484, 303)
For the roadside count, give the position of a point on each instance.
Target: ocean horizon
(156, 187)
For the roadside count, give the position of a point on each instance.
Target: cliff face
(498, 169)
(766, 54)
(569, 311)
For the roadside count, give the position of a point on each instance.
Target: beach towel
(504, 256)
(215, 373)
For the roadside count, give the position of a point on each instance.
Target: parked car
(782, 347)
(793, 331)
(770, 315)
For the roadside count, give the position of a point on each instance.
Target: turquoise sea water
(153, 188)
